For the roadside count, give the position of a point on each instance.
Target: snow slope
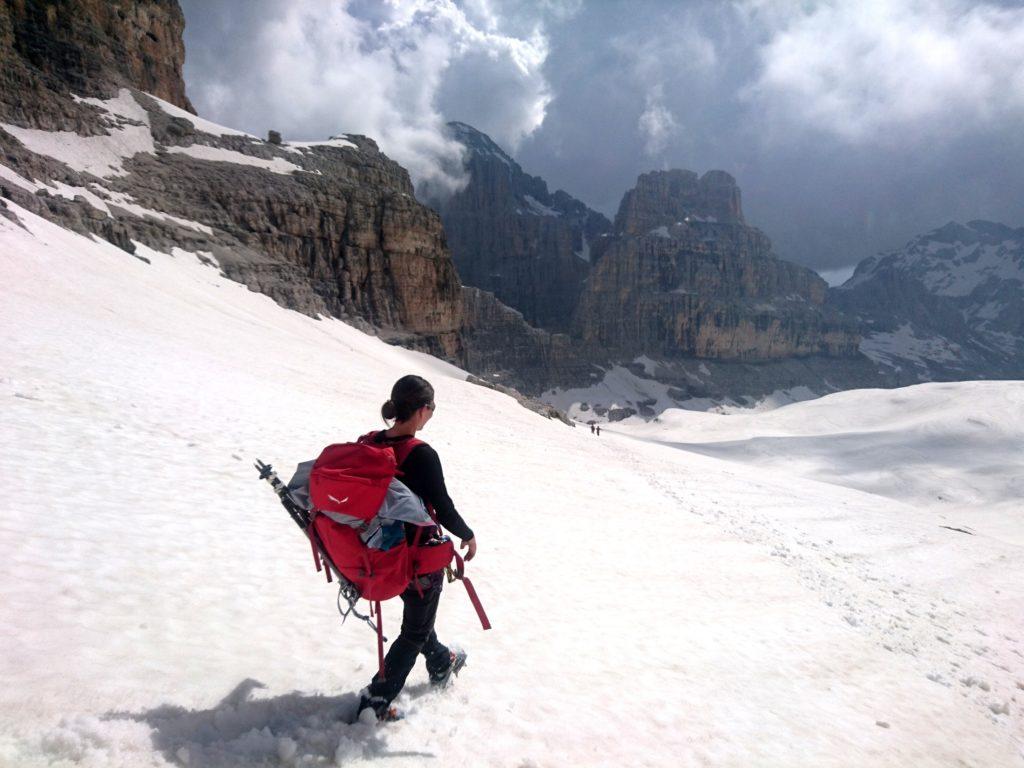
(651, 606)
(956, 449)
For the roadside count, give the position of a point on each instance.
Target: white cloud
(888, 72)
(319, 69)
(657, 124)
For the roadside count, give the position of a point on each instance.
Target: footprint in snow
(974, 681)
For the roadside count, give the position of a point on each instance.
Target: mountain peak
(479, 143)
(511, 236)
(663, 198)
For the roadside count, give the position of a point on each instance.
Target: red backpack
(359, 513)
(348, 486)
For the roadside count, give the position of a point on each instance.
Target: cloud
(888, 72)
(657, 124)
(380, 69)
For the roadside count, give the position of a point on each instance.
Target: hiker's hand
(472, 548)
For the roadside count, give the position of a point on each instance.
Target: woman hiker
(412, 406)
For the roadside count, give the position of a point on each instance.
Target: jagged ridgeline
(512, 237)
(949, 305)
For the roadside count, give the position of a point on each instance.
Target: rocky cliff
(507, 350)
(664, 197)
(86, 47)
(948, 305)
(511, 237)
(330, 227)
(683, 276)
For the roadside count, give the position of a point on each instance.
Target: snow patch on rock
(199, 123)
(102, 156)
(221, 155)
(902, 345)
(538, 208)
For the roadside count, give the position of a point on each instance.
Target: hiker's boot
(443, 678)
(382, 711)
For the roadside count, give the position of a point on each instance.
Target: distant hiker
(411, 406)
(598, 430)
(591, 428)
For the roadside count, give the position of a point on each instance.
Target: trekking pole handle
(267, 473)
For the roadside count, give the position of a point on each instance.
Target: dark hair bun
(409, 394)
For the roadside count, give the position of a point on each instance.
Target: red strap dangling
(380, 640)
(484, 621)
(311, 533)
(460, 570)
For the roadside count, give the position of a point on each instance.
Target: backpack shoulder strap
(368, 437)
(404, 448)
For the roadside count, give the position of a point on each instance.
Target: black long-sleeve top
(421, 472)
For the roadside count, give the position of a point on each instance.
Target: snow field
(650, 606)
(955, 449)
(619, 387)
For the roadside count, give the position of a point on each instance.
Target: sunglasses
(431, 406)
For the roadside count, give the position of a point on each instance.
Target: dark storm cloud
(850, 125)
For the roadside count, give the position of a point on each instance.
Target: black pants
(417, 637)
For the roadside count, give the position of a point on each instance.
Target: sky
(850, 125)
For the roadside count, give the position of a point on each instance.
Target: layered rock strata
(325, 228)
(667, 196)
(683, 276)
(86, 47)
(511, 237)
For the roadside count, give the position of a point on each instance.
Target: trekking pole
(297, 513)
(346, 589)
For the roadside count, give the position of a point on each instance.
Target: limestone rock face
(330, 228)
(948, 305)
(507, 350)
(88, 48)
(683, 276)
(511, 237)
(666, 197)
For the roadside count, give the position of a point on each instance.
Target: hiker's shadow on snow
(243, 731)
